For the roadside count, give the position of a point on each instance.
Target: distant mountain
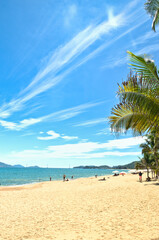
(18, 166)
(3, 165)
(94, 167)
(126, 166)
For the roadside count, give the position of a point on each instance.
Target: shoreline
(43, 181)
(27, 185)
(37, 184)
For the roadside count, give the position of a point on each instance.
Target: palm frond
(146, 103)
(124, 117)
(137, 94)
(145, 68)
(152, 7)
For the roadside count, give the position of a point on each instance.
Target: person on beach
(64, 177)
(140, 176)
(50, 178)
(72, 177)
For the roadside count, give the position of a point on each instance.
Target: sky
(60, 63)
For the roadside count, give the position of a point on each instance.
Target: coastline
(34, 184)
(17, 177)
(83, 208)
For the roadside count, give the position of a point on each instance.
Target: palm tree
(145, 163)
(152, 143)
(152, 8)
(139, 98)
(139, 102)
(148, 156)
(150, 151)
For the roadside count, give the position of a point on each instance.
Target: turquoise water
(20, 176)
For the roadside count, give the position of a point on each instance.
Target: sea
(22, 176)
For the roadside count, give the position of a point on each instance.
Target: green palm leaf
(145, 68)
(124, 117)
(146, 103)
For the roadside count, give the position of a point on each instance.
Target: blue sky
(60, 63)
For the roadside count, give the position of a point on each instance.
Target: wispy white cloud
(56, 116)
(83, 150)
(8, 125)
(54, 135)
(42, 155)
(109, 43)
(92, 122)
(85, 147)
(50, 74)
(120, 60)
(69, 137)
(28, 134)
(104, 131)
(69, 15)
(148, 49)
(145, 37)
(21, 125)
(70, 112)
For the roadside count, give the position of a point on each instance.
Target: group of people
(140, 177)
(66, 179)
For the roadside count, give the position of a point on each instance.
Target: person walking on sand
(140, 176)
(64, 177)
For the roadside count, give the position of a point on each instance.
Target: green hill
(126, 166)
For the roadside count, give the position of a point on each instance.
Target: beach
(85, 208)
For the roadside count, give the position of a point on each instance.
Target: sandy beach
(118, 208)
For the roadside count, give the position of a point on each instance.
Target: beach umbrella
(115, 172)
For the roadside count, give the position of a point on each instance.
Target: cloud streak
(83, 150)
(92, 122)
(120, 60)
(62, 58)
(54, 135)
(69, 15)
(54, 117)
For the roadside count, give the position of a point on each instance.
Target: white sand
(118, 208)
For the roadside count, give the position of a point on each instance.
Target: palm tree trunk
(156, 139)
(154, 20)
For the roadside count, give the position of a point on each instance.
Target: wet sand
(118, 208)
